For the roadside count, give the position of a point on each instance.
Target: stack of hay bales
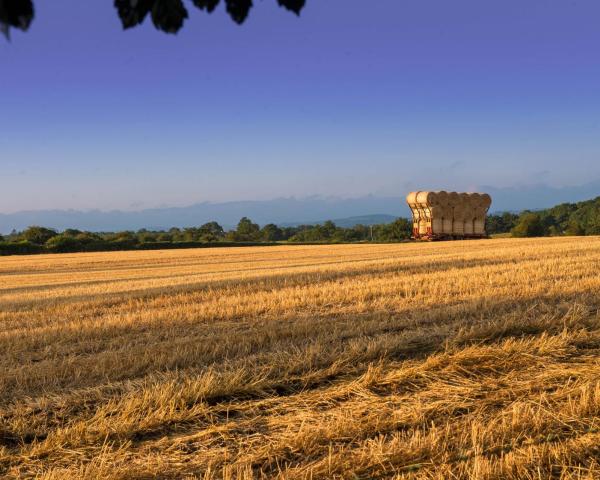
(448, 215)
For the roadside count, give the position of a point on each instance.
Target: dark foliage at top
(15, 13)
(167, 15)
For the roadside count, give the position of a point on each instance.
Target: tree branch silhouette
(167, 15)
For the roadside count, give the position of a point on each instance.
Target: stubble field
(466, 360)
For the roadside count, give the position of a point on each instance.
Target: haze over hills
(289, 211)
(350, 222)
(284, 211)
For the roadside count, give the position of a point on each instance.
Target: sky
(349, 99)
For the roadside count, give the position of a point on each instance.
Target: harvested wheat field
(457, 360)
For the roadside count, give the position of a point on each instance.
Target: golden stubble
(474, 360)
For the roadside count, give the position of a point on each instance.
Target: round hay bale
(471, 205)
(411, 198)
(460, 212)
(447, 224)
(453, 199)
(479, 226)
(436, 211)
(486, 201)
(475, 199)
(426, 199)
(447, 211)
(439, 210)
(440, 198)
(461, 208)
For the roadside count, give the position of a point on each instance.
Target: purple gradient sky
(430, 93)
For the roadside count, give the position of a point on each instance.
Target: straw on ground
(471, 360)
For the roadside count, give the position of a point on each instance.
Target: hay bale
(473, 202)
(461, 208)
(449, 213)
(483, 207)
(437, 226)
(411, 200)
(486, 201)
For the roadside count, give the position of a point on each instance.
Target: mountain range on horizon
(346, 212)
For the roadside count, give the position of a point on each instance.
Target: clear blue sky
(369, 99)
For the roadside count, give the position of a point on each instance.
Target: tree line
(582, 218)
(37, 239)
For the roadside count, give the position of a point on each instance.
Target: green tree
(176, 234)
(190, 234)
(328, 230)
(574, 228)
(89, 237)
(501, 223)
(63, 243)
(396, 231)
(309, 233)
(551, 225)
(288, 232)
(271, 233)
(164, 237)
(211, 232)
(126, 237)
(246, 231)
(360, 233)
(38, 235)
(401, 229)
(530, 225)
(144, 236)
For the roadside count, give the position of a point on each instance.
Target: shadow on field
(298, 344)
(291, 279)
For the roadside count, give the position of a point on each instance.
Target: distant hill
(280, 211)
(291, 211)
(537, 197)
(350, 222)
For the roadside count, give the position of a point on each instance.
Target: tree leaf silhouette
(167, 15)
(294, 5)
(15, 13)
(208, 5)
(238, 9)
(133, 13)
